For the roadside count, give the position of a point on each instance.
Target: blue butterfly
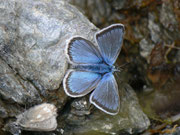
(92, 68)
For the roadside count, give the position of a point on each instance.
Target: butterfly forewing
(82, 51)
(105, 96)
(110, 42)
(80, 83)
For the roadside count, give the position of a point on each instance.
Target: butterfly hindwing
(110, 42)
(82, 51)
(105, 96)
(80, 83)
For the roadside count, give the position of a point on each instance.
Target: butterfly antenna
(124, 64)
(116, 75)
(119, 69)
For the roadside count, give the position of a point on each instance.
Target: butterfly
(92, 68)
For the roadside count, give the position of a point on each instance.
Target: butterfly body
(93, 68)
(97, 68)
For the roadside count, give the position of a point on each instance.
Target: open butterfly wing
(110, 42)
(106, 96)
(80, 83)
(82, 51)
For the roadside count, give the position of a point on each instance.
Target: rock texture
(130, 119)
(33, 35)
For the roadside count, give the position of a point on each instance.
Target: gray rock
(154, 28)
(13, 128)
(146, 47)
(33, 37)
(3, 111)
(163, 28)
(39, 118)
(14, 88)
(80, 106)
(130, 118)
(169, 21)
(167, 17)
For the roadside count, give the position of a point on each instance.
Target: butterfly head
(116, 69)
